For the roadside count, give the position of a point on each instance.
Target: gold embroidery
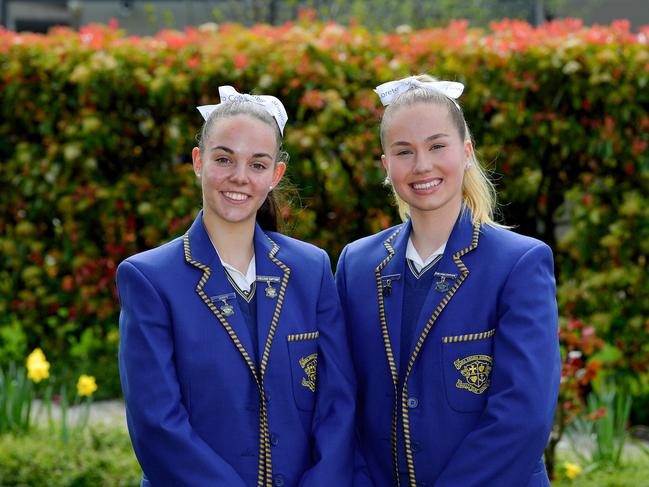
(470, 337)
(303, 336)
(476, 369)
(310, 365)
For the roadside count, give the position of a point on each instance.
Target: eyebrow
(428, 139)
(224, 148)
(261, 154)
(436, 136)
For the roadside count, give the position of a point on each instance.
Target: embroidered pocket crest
(303, 361)
(309, 365)
(476, 370)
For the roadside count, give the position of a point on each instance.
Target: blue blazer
(479, 390)
(200, 410)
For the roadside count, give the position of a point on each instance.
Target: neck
(430, 229)
(233, 241)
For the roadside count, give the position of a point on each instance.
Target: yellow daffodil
(572, 470)
(86, 385)
(38, 368)
(36, 356)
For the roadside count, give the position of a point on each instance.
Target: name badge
(226, 308)
(442, 285)
(386, 283)
(270, 291)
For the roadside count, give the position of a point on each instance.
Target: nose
(239, 174)
(423, 162)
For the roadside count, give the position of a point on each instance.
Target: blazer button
(416, 446)
(413, 402)
(279, 480)
(274, 439)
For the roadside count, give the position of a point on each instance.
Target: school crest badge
(309, 365)
(476, 370)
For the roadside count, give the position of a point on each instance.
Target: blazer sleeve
(168, 450)
(333, 421)
(361, 473)
(509, 438)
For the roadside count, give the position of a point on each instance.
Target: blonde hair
(478, 192)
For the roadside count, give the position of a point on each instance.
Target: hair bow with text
(387, 91)
(271, 104)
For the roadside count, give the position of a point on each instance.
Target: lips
(235, 196)
(426, 185)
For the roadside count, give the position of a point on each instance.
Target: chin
(232, 217)
(431, 205)
(239, 219)
(425, 205)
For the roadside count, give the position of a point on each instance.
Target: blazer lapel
(272, 279)
(215, 290)
(449, 276)
(390, 284)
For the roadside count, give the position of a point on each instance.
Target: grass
(101, 457)
(104, 457)
(634, 474)
(633, 471)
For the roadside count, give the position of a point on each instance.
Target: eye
(404, 152)
(436, 146)
(222, 161)
(260, 166)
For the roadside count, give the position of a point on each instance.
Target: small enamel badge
(442, 285)
(476, 370)
(386, 282)
(226, 308)
(270, 291)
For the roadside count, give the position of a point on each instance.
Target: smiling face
(425, 158)
(237, 167)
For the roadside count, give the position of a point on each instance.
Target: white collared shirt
(415, 258)
(243, 281)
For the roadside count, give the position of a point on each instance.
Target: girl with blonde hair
(452, 317)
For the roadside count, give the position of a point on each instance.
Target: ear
(384, 161)
(278, 173)
(468, 151)
(196, 161)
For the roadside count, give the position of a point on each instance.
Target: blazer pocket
(467, 362)
(303, 358)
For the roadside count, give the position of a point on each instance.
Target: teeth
(236, 196)
(431, 184)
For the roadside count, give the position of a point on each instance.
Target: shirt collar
(415, 258)
(243, 281)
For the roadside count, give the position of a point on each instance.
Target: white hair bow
(387, 91)
(271, 104)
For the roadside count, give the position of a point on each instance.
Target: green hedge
(96, 130)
